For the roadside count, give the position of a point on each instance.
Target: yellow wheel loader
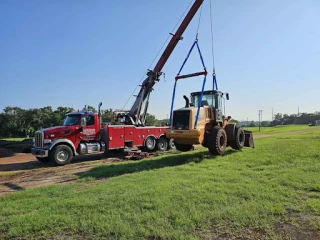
(201, 121)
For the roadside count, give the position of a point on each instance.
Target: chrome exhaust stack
(99, 113)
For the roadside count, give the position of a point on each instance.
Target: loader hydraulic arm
(153, 75)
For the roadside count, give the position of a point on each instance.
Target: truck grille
(38, 139)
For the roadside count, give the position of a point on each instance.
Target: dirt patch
(10, 148)
(24, 171)
(296, 227)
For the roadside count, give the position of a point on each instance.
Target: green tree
(150, 120)
(252, 124)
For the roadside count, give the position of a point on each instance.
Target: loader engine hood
(57, 132)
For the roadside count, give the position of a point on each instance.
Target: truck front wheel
(61, 154)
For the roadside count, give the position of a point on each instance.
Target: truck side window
(90, 120)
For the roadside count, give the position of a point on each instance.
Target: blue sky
(72, 53)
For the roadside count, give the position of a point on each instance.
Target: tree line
(282, 119)
(19, 122)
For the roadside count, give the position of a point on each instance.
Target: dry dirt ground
(22, 170)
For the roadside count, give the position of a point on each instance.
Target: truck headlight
(46, 141)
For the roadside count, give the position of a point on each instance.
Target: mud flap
(248, 139)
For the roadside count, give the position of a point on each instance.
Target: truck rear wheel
(150, 144)
(162, 144)
(217, 141)
(183, 147)
(61, 154)
(239, 139)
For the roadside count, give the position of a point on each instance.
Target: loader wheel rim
(62, 155)
(221, 141)
(241, 137)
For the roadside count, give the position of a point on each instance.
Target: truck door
(89, 131)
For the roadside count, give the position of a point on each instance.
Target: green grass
(280, 129)
(12, 139)
(187, 196)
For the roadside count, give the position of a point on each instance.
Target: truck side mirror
(83, 122)
(227, 96)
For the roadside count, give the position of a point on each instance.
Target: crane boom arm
(153, 76)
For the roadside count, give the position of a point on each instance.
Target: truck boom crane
(134, 113)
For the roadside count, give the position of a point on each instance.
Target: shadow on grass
(118, 169)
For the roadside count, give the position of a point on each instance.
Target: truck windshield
(71, 120)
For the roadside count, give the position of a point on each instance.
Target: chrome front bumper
(38, 152)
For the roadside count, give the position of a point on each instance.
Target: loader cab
(210, 98)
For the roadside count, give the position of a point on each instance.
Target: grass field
(279, 129)
(266, 192)
(12, 139)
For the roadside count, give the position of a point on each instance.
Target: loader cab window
(207, 100)
(90, 120)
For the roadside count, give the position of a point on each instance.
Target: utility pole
(247, 123)
(298, 111)
(272, 115)
(260, 118)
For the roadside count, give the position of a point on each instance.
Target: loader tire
(183, 147)
(171, 144)
(239, 138)
(217, 141)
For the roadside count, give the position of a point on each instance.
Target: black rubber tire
(217, 141)
(150, 144)
(171, 144)
(162, 144)
(43, 160)
(61, 155)
(239, 138)
(183, 147)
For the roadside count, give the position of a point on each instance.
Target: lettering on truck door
(89, 131)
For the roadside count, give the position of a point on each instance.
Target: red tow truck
(84, 133)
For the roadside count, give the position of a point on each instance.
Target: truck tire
(61, 155)
(171, 144)
(239, 139)
(150, 144)
(43, 160)
(162, 144)
(183, 147)
(217, 141)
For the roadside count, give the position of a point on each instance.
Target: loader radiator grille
(38, 139)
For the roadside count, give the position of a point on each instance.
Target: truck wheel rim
(149, 143)
(62, 155)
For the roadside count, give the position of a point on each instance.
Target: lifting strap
(187, 76)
